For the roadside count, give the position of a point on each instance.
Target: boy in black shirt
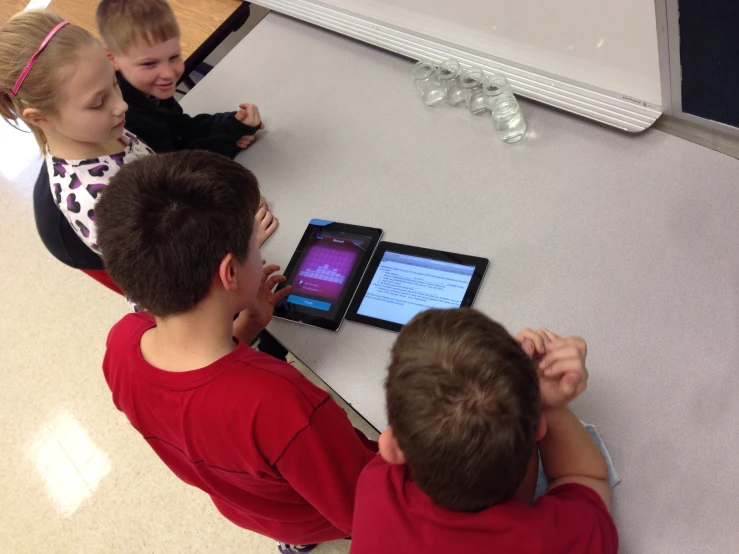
(142, 39)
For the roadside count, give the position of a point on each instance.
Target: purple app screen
(326, 267)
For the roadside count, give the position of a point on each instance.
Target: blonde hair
(123, 22)
(20, 38)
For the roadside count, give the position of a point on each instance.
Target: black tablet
(403, 280)
(325, 271)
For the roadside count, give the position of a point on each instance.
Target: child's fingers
(272, 226)
(274, 280)
(529, 348)
(576, 342)
(562, 352)
(266, 218)
(582, 384)
(550, 336)
(249, 109)
(535, 338)
(282, 293)
(261, 212)
(245, 141)
(270, 269)
(573, 384)
(567, 386)
(563, 367)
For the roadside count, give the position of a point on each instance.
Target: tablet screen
(405, 285)
(324, 272)
(403, 280)
(325, 269)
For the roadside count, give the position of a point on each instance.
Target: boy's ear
(542, 430)
(227, 274)
(389, 448)
(34, 116)
(111, 57)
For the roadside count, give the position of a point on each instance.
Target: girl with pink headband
(56, 79)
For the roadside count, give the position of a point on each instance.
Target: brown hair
(165, 222)
(123, 22)
(20, 37)
(463, 402)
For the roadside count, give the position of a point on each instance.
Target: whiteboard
(598, 58)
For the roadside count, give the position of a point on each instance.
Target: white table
(630, 241)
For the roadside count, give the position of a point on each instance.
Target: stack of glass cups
(496, 88)
(471, 81)
(509, 120)
(481, 94)
(449, 73)
(427, 83)
(504, 108)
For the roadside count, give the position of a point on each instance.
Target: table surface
(631, 241)
(197, 19)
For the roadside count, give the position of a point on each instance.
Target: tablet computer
(325, 271)
(403, 280)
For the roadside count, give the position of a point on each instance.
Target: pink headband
(32, 61)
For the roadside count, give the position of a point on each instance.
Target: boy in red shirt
(275, 453)
(467, 404)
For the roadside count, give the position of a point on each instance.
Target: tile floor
(74, 476)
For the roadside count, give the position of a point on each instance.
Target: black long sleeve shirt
(165, 127)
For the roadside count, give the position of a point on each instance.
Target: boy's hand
(560, 364)
(259, 314)
(248, 114)
(245, 141)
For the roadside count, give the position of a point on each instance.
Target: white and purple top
(75, 184)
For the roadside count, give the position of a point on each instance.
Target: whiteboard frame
(612, 108)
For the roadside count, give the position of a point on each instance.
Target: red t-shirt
(274, 452)
(392, 516)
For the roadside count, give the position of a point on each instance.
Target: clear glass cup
(449, 73)
(509, 121)
(427, 83)
(496, 88)
(471, 80)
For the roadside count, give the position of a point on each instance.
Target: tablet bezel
(480, 264)
(282, 311)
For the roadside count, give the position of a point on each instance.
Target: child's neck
(66, 148)
(191, 340)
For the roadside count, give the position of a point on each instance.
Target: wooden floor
(198, 18)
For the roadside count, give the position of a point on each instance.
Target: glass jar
(449, 73)
(471, 81)
(496, 88)
(427, 83)
(509, 120)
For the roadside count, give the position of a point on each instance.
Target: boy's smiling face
(152, 69)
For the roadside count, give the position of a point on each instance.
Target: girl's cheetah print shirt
(76, 184)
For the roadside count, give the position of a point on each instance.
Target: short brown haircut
(122, 23)
(166, 221)
(463, 402)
